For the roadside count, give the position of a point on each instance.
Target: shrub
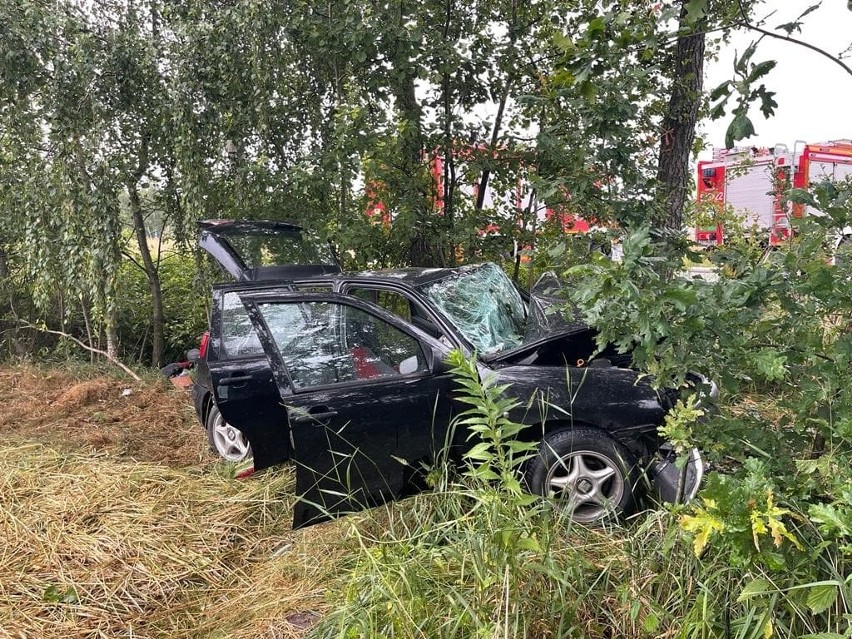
(774, 331)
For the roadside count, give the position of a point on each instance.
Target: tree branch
(91, 349)
(771, 34)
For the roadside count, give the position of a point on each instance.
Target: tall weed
(478, 556)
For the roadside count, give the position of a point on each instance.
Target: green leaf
(480, 452)
(528, 543)
(760, 70)
(771, 364)
(754, 588)
(741, 65)
(821, 598)
(651, 624)
(740, 128)
(53, 594)
(723, 90)
(682, 298)
(695, 10)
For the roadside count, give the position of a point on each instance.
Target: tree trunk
(422, 250)
(111, 335)
(678, 128)
(151, 272)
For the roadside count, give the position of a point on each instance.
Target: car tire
(586, 471)
(225, 440)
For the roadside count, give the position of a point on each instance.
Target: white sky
(814, 94)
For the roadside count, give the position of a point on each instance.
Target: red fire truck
(750, 180)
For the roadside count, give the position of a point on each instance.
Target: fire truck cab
(752, 180)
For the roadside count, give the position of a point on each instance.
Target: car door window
(324, 343)
(391, 301)
(399, 305)
(239, 338)
(238, 335)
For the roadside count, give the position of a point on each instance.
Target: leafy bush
(774, 331)
(185, 301)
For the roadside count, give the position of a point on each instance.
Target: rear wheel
(586, 471)
(225, 440)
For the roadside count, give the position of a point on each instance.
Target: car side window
(325, 343)
(391, 301)
(238, 336)
(399, 305)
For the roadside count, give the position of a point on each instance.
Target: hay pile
(98, 544)
(147, 420)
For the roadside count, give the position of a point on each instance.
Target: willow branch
(82, 344)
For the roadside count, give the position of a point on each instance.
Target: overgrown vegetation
(117, 522)
(773, 524)
(479, 556)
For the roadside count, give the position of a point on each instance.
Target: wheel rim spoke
(230, 442)
(587, 482)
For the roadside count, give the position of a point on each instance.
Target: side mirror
(193, 355)
(409, 365)
(436, 358)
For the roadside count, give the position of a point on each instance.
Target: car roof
(413, 277)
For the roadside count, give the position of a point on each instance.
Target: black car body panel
(356, 440)
(250, 251)
(608, 398)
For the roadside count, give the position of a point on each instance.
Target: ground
(118, 521)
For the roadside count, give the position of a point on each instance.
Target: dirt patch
(87, 411)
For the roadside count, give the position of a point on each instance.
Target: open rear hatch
(261, 250)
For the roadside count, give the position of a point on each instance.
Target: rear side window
(238, 335)
(239, 338)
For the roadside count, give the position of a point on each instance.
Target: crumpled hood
(550, 312)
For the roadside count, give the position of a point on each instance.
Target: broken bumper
(677, 481)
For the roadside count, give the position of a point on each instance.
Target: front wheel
(225, 440)
(586, 471)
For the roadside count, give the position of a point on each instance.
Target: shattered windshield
(484, 306)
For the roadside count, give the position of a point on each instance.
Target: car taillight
(202, 348)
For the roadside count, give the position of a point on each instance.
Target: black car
(346, 375)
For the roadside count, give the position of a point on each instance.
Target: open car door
(363, 399)
(260, 250)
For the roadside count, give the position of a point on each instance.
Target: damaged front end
(676, 478)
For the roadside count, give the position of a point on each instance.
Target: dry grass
(147, 420)
(117, 522)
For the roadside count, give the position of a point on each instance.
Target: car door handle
(314, 417)
(234, 379)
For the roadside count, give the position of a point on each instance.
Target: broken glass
(325, 343)
(550, 311)
(484, 306)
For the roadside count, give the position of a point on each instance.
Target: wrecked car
(346, 375)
